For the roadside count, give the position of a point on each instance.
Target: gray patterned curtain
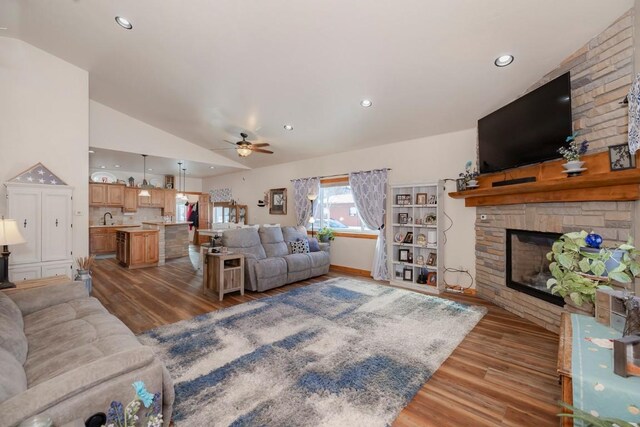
(301, 189)
(370, 193)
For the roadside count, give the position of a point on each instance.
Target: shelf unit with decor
(413, 216)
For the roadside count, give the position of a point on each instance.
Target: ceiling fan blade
(261, 144)
(260, 150)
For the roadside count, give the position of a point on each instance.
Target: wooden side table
(38, 283)
(564, 365)
(223, 273)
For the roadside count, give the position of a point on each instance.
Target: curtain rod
(342, 174)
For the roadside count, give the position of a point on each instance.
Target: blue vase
(593, 240)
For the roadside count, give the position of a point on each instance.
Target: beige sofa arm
(64, 394)
(325, 246)
(31, 300)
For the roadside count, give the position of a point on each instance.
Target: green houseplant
(325, 234)
(578, 270)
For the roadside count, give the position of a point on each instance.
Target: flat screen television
(528, 130)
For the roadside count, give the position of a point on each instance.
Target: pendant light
(184, 185)
(179, 194)
(144, 192)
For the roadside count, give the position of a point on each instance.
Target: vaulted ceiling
(205, 70)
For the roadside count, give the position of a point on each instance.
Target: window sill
(352, 235)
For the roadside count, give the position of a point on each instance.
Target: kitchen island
(137, 247)
(173, 238)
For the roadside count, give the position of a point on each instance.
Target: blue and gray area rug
(339, 353)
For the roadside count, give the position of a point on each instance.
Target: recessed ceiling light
(116, 166)
(288, 127)
(124, 22)
(91, 152)
(150, 169)
(212, 167)
(3, 28)
(103, 167)
(503, 61)
(366, 103)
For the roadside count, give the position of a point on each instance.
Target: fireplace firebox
(527, 264)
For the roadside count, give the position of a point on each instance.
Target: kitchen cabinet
(130, 200)
(44, 215)
(137, 248)
(106, 194)
(169, 203)
(155, 200)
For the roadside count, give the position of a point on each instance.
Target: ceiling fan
(244, 148)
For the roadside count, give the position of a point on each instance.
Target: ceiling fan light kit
(244, 148)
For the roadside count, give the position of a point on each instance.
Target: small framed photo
(403, 218)
(433, 200)
(403, 199)
(620, 158)
(403, 255)
(431, 259)
(421, 198)
(432, 278)
(407, 274)
(398, 274)
(461, 184)
(408, 238)
(420, 260)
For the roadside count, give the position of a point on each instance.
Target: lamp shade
(144, 193)
(312, 196)
(10, 233)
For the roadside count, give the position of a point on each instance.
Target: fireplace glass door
(527, 264)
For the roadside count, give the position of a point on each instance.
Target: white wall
(114, 130)
(420, 160)
(44, 117)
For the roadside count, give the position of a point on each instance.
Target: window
(336, 209)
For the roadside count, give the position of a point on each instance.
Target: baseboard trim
(350, 270)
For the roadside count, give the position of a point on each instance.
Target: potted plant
(578, 268)
(469, 175)
(325, 234)
(572, 154)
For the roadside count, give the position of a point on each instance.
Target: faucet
(104, 217)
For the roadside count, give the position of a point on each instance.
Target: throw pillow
(300, 247)
(314, 246)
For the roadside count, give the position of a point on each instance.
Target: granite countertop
(137, 230)
(167, 223)
(115, 226)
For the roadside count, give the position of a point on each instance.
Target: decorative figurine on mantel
(469, 176)
(572, 154)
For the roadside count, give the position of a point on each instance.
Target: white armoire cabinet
(44, 215)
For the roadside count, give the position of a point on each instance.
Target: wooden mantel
(597, 183)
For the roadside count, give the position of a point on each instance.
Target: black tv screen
(529, 130)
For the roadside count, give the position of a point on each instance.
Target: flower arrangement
(85, 263)
(575, 149)
(127, 416)
(470, 173)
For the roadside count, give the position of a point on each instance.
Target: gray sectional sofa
(63, 355)
(268, 263)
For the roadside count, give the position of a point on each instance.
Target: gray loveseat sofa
(268, 263)
(63, 355)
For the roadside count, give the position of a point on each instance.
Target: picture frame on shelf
(461, 184)
(410, 257)
(432, 259)
(278, 201)
(432, 278)
(420, 260)
(620, 158)
(433, 200)
(403, 218)
(431, 219)
(407, 274)
(408, 238)
(403, 199)
(421, 198)
(398, 274)
(403, 255)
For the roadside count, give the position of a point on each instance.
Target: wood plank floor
(503, 373)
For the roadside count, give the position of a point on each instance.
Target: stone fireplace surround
(614, 221)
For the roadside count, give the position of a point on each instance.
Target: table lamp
(9, 235)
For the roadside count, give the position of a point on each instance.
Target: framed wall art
(278, 201)
(620, 158)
